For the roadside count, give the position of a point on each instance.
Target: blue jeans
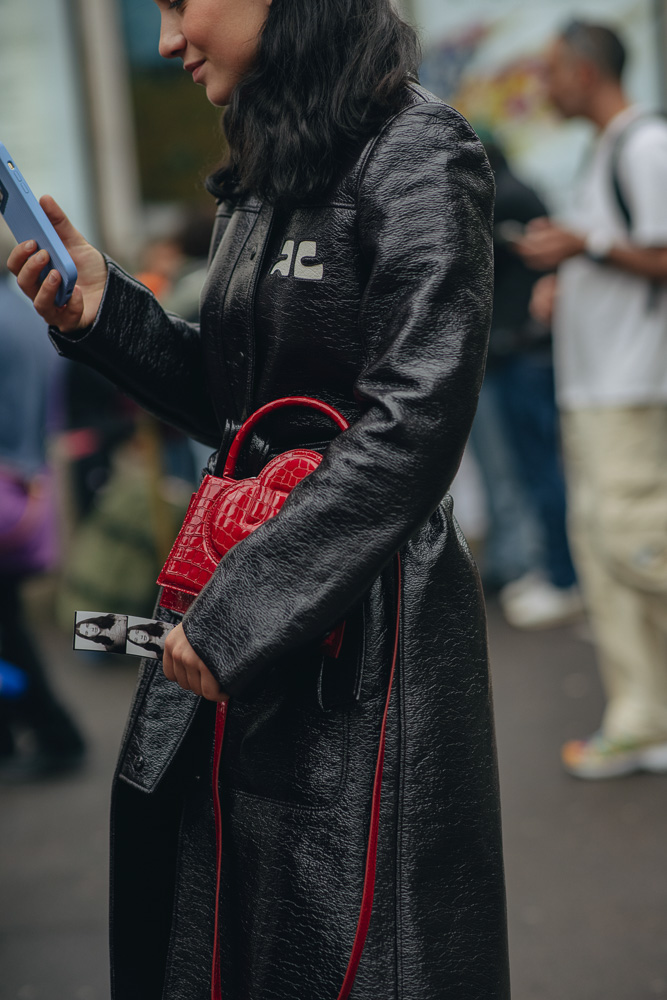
(525, 393)
(512, 545)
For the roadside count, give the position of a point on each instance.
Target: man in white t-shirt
(608, 301)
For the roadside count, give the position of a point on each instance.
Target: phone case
(27, 221)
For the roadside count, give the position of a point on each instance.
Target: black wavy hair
(328, 73)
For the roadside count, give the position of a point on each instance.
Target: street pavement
(586, 861)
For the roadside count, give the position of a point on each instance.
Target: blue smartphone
(27, 220)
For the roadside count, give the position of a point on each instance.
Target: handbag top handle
(278, 404)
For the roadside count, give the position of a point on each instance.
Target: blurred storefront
(485, 57)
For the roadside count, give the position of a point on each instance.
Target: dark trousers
(525, 388)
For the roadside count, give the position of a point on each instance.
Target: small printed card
(108, 633)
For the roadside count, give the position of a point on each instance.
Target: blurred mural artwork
(486, 58)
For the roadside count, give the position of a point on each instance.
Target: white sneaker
(520, 585)
(541, 605)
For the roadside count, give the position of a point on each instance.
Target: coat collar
(226, 320)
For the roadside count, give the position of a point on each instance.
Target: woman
(351, 262)
(151, 636)
(109, 631)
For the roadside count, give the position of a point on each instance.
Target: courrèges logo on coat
(301, 264)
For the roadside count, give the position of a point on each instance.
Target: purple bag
(28, 527)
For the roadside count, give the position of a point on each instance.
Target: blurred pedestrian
(194, 239)
(352, 260)
(97, 420)
(610, 328)
(519, 378)
(28, 541)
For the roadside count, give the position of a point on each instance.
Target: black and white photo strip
(145, 636)
(108, 633)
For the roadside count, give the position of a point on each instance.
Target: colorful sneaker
(599, 757)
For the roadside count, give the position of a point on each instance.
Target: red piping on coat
(368, 892)
(220, 719)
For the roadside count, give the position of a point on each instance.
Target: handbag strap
(277, 404)
(368, 891)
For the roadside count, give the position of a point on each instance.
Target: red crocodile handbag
(226, 510)
(222, 513)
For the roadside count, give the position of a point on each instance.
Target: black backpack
(617, 186)
(617, 150)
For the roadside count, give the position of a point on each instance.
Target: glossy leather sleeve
(424, 206)
(153, 356)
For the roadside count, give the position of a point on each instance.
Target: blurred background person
(28, 540)
(610, 328)
(161, 262)
(193, 238)
(131, 476)
(98, 418)
(515, 434)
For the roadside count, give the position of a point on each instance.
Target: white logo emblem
(307, 250)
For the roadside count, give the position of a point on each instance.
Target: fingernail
(53, 277)
(29, 246)
(42, 256)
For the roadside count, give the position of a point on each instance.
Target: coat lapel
(227, 312)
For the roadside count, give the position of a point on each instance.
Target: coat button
(138, 762)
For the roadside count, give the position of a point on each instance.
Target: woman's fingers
(181, 676)
(210, 688)
(43, 293)
(193, 678)
(170, 655)
(181, 664)
(27, 263)
(67, 317)
(168, 664)
(19, 255)
(28, 266)
(70, 236)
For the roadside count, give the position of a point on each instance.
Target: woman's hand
(27, 265)
(181, 664)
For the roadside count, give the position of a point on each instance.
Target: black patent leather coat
(378, 301)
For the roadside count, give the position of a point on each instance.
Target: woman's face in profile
(138, 636)
(89, 630)
(216, 39)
